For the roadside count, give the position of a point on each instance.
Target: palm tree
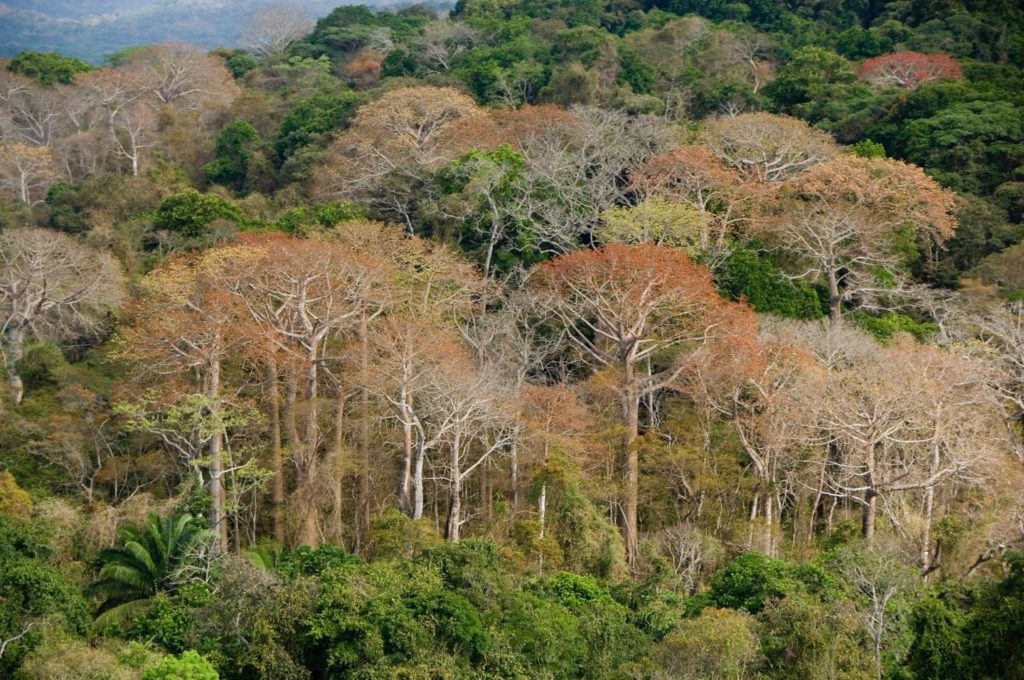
(147, 563)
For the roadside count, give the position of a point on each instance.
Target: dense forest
(639, 339)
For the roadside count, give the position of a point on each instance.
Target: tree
(907, 420)
(271, 29)
(693, 176)
(577, 167)
(481, 190)
(187, 323)
(637, 315)
(909, 69)
(720, 643)
(304, 294)
(880, 581)
(656, 221)
(49, 68)
(766, 147)
(27, 171)
(150, 560)
(180, 75)
(52, 288)
(857, 222)
(393, 142)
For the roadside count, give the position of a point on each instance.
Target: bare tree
(52, 288)
(767, 147)
(625, 308)
(26, 171)
(271, 29)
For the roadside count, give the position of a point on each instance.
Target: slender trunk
(404, 485)
(486, 495)
(363, 524)
(542, 507)
(310, 524)
(514, 474)
(276, 457)
(631, 421)
(929, 512)
(217, 522)
(291, 396)
(15, 349)
(870, 498)
(338, 464)
(455, 501)
(835, 303)
(417, 476)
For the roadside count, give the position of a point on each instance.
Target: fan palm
(147, 563)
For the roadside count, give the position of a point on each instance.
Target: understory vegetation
(531, 340)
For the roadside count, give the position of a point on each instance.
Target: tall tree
(52, 288)
(857, 223)
(636, 314)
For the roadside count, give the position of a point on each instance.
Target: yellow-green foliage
(13, 499)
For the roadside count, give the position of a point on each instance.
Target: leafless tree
(271, 29)
(52, 288)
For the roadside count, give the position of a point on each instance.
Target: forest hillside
(534, 339)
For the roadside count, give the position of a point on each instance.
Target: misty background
(92, 29)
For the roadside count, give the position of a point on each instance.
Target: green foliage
(189, 666)
(807, 76)
(312, 119)
(751, 581)
(14, 501)
(719, 643)
(49, 68)
(236, 143)
(34, 595)
(886, 326)
(191, 213)
(747, 275)
(308, 219)
(151, 560)
(306, 561)
(866, 148)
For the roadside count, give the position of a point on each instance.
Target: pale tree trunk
(514, 474)
(363, 518)
(417, 476)
(455, 502)
(217, 519)
(15, 349)
(870, 510)
(835, 302)
(310, 522)
(338, 464)
(631, 421)
(404, 485)
(276, 456)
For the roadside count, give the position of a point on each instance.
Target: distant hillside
(91, 29)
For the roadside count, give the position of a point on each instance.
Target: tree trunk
(870, 498)
(835, 302)
(363, 524)
(404, 485)
(514, 474)
(631, 422)
(455, 502)
(291, 429)
(417, 477)
(217, 521)
(15, 349)
(310, 523)
(276, 457)
(338, 464)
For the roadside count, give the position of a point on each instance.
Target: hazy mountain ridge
(92, 29)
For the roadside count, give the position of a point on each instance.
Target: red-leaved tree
(909, 69)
